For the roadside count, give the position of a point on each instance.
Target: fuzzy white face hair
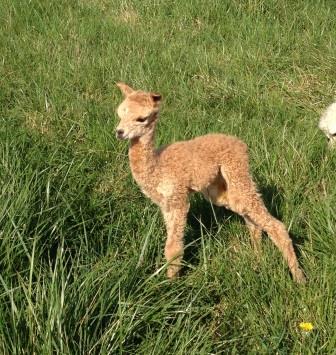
(327, 124)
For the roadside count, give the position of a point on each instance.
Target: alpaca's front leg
(175, 220)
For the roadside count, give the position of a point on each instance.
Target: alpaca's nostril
(120, 132)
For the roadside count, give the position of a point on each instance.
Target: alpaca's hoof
(173, 272)
(299, 277)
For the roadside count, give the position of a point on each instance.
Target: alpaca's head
(138, 112)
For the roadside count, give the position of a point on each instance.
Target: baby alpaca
(327, 124)
(215, 165)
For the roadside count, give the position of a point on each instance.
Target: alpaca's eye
(141, 119)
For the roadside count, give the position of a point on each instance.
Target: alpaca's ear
(156, 97)
(125, 89)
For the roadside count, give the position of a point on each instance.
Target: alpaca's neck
(142, 157)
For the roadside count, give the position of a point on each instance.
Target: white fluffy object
(327, 124)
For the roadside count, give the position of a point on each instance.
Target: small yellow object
(306, 326)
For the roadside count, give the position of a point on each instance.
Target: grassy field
(81, 249)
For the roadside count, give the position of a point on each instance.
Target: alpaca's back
(195, 163)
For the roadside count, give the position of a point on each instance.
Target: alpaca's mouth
(121, 137)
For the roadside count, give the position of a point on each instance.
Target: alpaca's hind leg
(255, 234)
(255, 211)
(243, 199)
(279, 235)
(217, 193)
(175, 219)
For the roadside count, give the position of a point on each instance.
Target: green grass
(81, 249)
